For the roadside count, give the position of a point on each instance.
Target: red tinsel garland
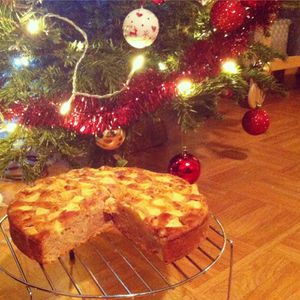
(148, 91)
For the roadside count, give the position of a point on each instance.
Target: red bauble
(256, 121)
(186, 166)
(228, 15)
(158, 2)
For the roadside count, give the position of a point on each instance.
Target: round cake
(160, 213)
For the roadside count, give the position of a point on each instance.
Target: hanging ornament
(256, 96)
(256, 121)
(158, 2)
(140, 28)
(186, 166)
(228, 15)
(111, 139)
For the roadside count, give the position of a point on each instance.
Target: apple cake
(160, 213)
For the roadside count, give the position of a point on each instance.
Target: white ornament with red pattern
(111, 139)
(140, 28)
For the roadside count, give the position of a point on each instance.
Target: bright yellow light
(65, 108)
(24, 61)
(162, 66)
(34, 26)
(11, 127)
(185, 87)
(138, 63)
(230, 67)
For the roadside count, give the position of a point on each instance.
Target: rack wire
(110, 267)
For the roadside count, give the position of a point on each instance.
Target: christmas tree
(76, 76)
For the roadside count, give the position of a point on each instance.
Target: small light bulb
(65, 108)
(185, 87)
(138, 63)
(34, 26)
(21, 61)
(80, 46)
(24, 61)
(230, 67)
(11, 127)
(17, 62)
(162, 66)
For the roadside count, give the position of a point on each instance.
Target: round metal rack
(110, 266)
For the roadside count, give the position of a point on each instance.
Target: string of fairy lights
(36, 26)
(184, 87)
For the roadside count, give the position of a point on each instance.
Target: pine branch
(259, 55)
(107, 63)
(187, 116)
(7, 23)
(202, 29)
(105, 67)
(44, 143)
(265, 81)
(203, 100)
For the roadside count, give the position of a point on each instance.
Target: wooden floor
(253, 185)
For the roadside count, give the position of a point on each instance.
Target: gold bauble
(111, 139)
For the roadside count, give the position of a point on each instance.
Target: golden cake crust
(50, 207)
(169, 209)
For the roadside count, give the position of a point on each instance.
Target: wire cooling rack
(110, 266)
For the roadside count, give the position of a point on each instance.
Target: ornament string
(183, 143)
(74, 77)
(86, 45)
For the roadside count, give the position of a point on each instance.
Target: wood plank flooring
(253, 185)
